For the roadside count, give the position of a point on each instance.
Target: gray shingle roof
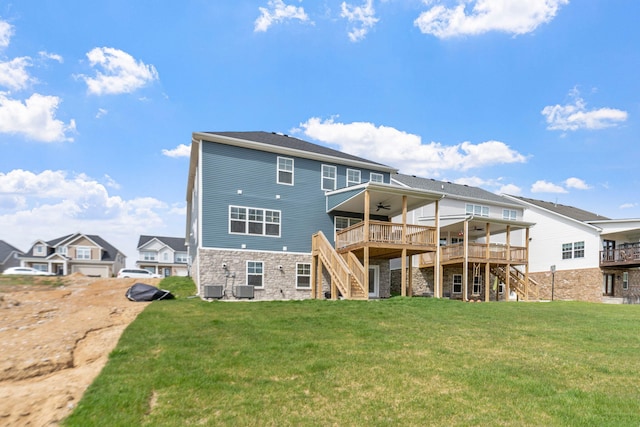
(6, 249)
(450, 188)
(286, 141)
(568, 211)
(176, 243)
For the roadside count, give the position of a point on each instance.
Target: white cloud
(511, 189)
(276, 13)
(546, 187)
(628, 205)
(473, 17)
(13, 74)
(576, 116)
(406, 151)
(181, 150)
(118, 72)
(52, 204)
(576, 183)
(362, 16)
(6, 31)
(52, 56)
(101, 113)
(34, 119)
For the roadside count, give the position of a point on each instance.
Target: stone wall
(279, 284)
(570, 285)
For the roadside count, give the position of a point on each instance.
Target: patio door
(608, 250)
(374, 281)
(607, 285)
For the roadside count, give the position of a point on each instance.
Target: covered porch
(373, 238)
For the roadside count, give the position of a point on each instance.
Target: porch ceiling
(478, 226)
(384, 199)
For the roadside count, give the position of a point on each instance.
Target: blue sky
(98, 100)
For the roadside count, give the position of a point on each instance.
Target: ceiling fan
(382, 206)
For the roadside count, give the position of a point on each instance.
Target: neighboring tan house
(595, 258)
(271, 216)
(9, 256)
(166, 256)
(90, 255)
(483, 247)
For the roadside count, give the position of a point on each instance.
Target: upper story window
(342, 222)
(148, 256)
(261, 222)
(83, 252)
(376, 177)
(38, 250)
(477, 210)
(510, 214)
(165, 256)
(329, 177)
(62, 250)
(353, 177)
(285, 170)
(182, 257)
(573, 250)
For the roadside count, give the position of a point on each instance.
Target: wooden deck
(621, 257)
(386, 239)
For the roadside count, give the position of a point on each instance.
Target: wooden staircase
(346, 271)
(517, 282)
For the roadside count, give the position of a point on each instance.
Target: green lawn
(402, 361)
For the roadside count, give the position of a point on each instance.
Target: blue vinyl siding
(227, 169)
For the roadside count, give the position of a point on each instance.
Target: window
(260, 222)
(39, 250)
(578, 250)
(255, 274)
(148, 256)
(625, 280)
(165, 256)
(457, 283)
(285, 170)
(353, 177)
(329, 175)
(501, 288)
(376, 177)
(477, 210)
(567, 250)
(477, 285)
(62, 250)
(455, 240)
(344, 222)
(573, 250)
(182, 257)
(83, 252)
(303, 276)
(510, 214)
(40, 267)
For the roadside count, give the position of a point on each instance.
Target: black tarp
(144, 292)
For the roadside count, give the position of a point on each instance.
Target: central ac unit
(213, 291)
(244, 291)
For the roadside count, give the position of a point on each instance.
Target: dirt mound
(55, 342)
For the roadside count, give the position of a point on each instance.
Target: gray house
(9, 256)
(163, 255)
(271, 216)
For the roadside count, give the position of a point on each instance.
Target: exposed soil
(55, 341)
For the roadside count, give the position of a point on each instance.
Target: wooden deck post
(526, 266)
(365, 256)
(437, 284)
(314, 261)
(508, 268)
(465, 263)
(487, 281)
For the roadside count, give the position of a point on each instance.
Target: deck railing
(386, 232)
(620, 256)
(478, 251)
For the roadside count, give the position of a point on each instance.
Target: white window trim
(335, 177)
(253, 274)
(453, 283)
(350, 220)
(292, 171)
(477, 282)
(481, 208)
(264, 221)
(625, 280)
(83, 248)
(303, 275)
(350, 182)
(378, 177)
(510, 214)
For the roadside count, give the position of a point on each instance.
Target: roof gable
(176, 243)
(6, 250)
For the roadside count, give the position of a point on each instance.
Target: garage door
(92, 271)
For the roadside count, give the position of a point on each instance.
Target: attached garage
(91, 270)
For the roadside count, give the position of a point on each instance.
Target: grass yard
(401, 361)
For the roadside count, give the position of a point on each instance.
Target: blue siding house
(270, 216)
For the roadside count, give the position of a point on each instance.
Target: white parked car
(137, 273)
(27, 271)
